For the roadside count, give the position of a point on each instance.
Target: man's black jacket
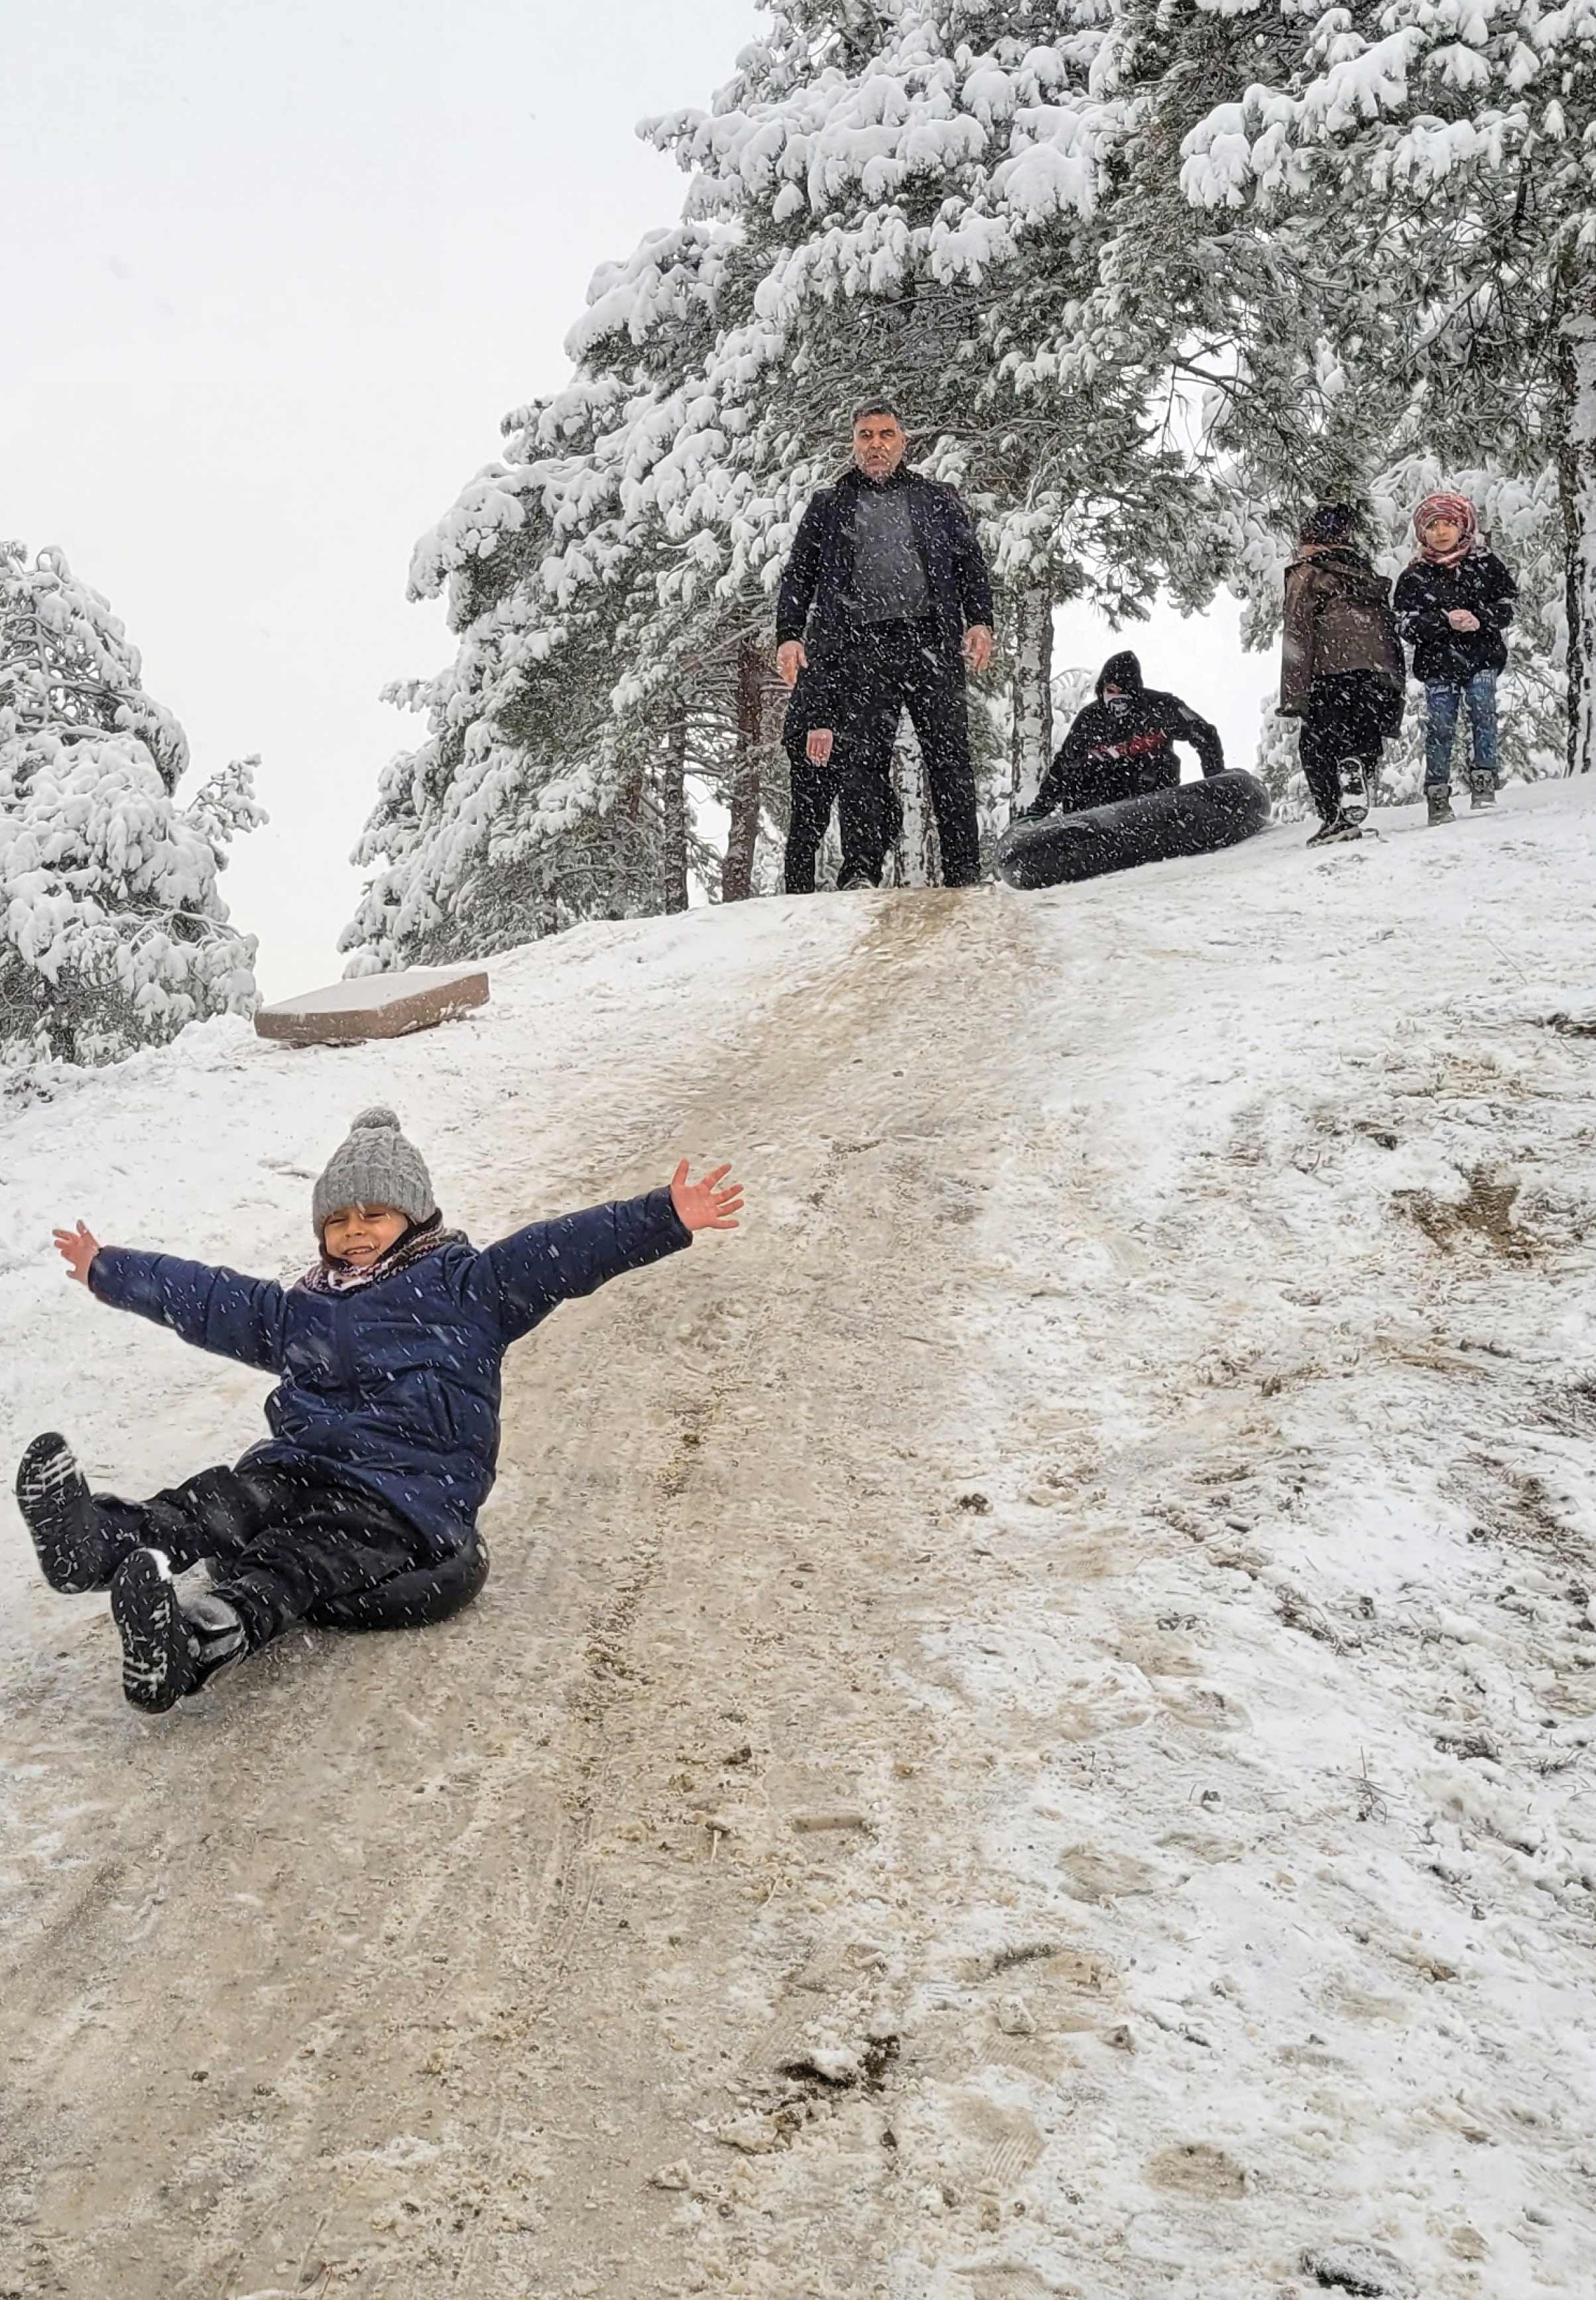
(816, 590)
(1426, 594)
(1120, 749)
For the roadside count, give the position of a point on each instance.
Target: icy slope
(1030, 1730)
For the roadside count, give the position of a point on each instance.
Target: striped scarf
(330, 1276)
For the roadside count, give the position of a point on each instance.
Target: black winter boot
(1481, 790)
(1355, 790)
(76, 1549)
(1438, 798)
(168, 1648)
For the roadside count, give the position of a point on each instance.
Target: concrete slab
(375, 1006)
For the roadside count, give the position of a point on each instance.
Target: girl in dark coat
(1341, 669)
(1453, 603)
(384, 1423)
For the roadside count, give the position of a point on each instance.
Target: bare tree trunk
(1576, 485)
(1031, 749)
(673, 810)
(737, 873)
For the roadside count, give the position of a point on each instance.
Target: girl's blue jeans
(1443, 705)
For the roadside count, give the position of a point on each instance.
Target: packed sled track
(1030, 1730)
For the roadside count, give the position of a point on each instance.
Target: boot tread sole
(47, 1475)
(155, 1658)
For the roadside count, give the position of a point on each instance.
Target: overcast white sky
(274, 271)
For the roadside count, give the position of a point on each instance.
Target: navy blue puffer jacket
(396, 1385)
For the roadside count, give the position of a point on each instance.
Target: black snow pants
(284, 1543)
(868, 817)
(883, 670)
(1345, 723)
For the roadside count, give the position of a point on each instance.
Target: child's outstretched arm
(548, 1262)
(214, 1309)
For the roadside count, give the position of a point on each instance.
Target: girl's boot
(1438, 798)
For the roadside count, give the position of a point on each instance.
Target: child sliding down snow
(384, 1425)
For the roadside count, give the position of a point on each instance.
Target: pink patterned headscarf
(1461, 512)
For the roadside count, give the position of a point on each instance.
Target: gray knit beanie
(375, 1167)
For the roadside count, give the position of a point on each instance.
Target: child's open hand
(77, 1249)
(712, 1203)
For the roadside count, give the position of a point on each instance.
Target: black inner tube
(1187, 818)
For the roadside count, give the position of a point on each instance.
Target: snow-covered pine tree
(113, 931)
(514, 817)
(1454, 150)
(528, 806)
(903, 195)
(919, 187)
(1278, 341)
(1278, 338)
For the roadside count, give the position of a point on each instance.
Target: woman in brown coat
(1342, 670)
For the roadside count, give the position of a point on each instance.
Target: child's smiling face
(360, 1235)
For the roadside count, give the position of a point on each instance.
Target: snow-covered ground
(1030, 1733)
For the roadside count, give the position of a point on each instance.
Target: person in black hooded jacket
(1122, 745)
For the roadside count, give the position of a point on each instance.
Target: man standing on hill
(885, 602)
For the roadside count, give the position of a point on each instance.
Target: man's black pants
(1345, 721)
(868, 816)
(283, 1542)
(885, 670)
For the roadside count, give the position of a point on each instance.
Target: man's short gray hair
(879, 406)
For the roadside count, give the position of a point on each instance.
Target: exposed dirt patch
(1483, 1217)
(1570, 1410)
(1197, 2169)
(1523, 1513)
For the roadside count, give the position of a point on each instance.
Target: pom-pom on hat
(374, 1167)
